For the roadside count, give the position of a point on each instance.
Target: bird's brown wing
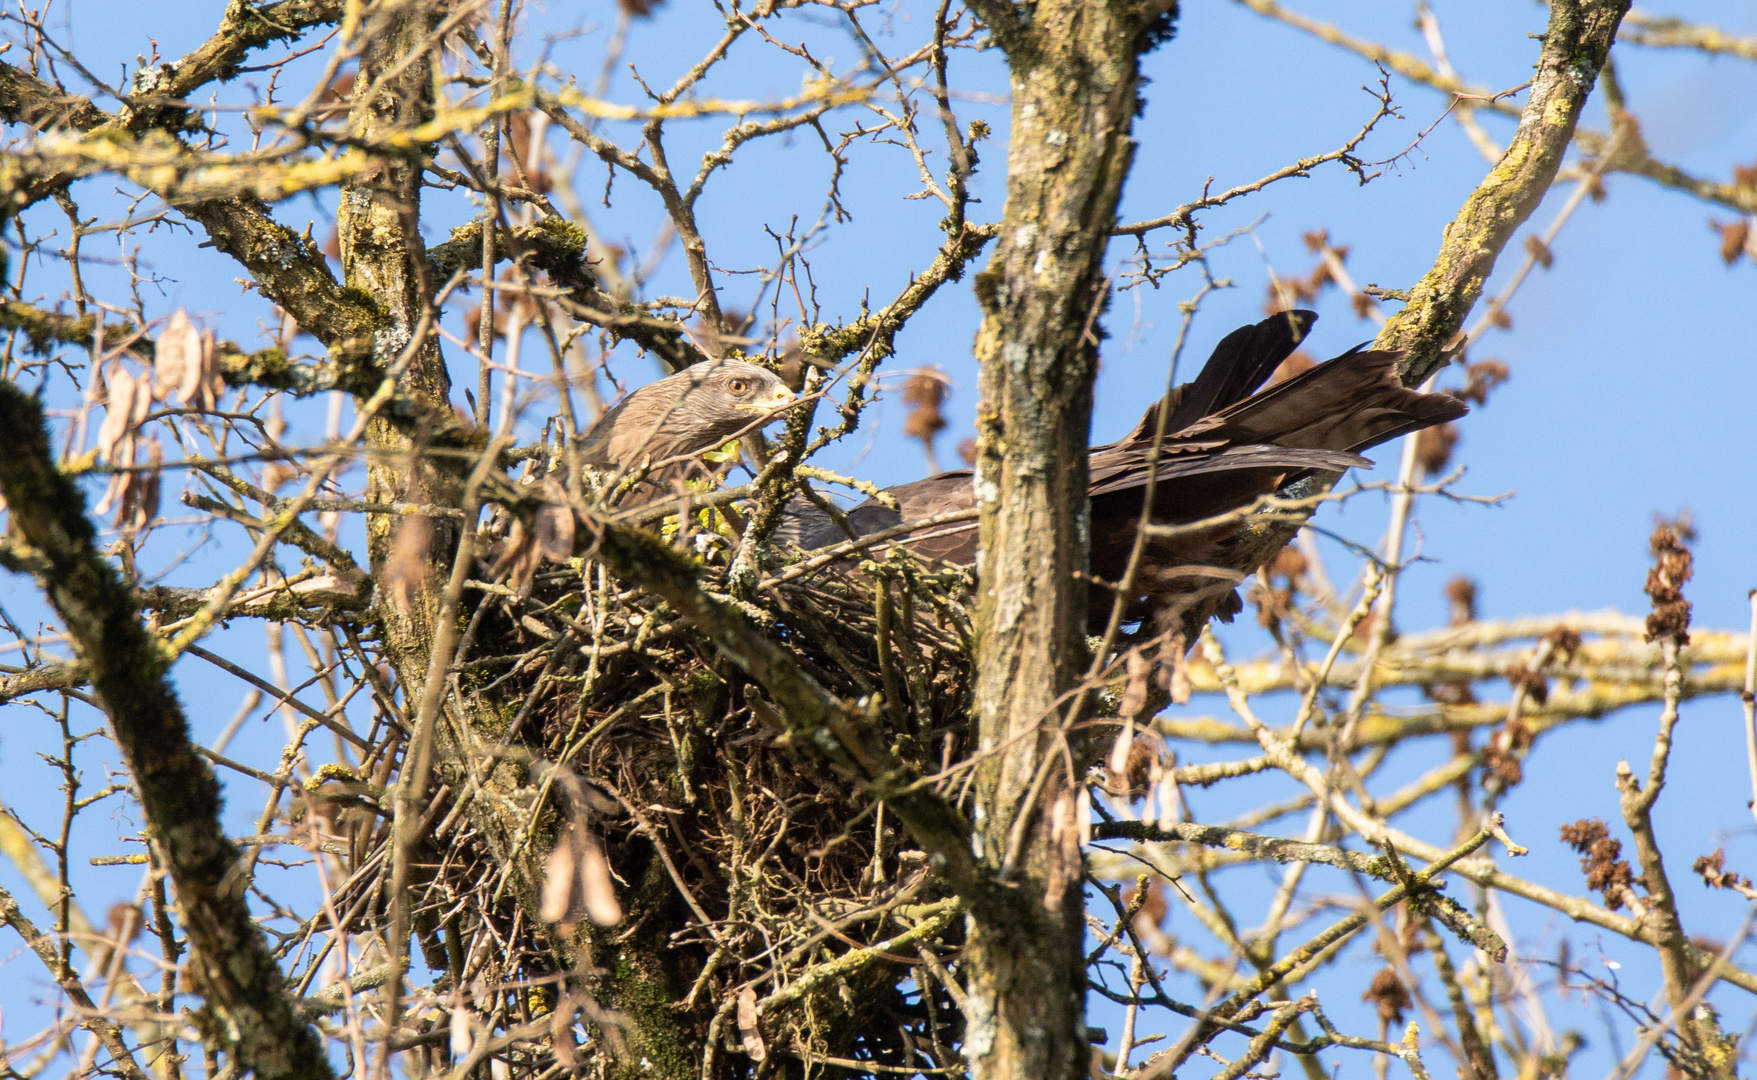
(805, 526)
(1124, 472)
(1228, 444)
(1214, 484)
(595, 445)
(1116, 469)
(1345, 405)
(945, 493)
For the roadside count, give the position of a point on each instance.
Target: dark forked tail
(1242, 362)
(1350, 403)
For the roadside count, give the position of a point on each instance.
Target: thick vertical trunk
(383, 257)
(1075, 80)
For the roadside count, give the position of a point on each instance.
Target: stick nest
(752, 881)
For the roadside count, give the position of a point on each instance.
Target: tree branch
(1668, 33)
(177, 790)
(1574, 49)
(243, 29)
(107, 1031)
(288, 268)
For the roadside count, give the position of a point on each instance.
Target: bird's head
(694, 410)
(725, 395)
(741, 387)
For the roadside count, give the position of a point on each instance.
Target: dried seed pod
(119, 412)
(212, 384)
(553, 523)
(595, 885)
(558, 879)
(177, 363)
(1166, 790)
(748, 1033)
(407, 564)
(1119, 752)
(460, 1030)
(1135, 692)
(576, 878)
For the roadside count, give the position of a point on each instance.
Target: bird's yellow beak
(779, 398)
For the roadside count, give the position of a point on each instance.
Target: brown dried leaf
(518, 561)
(1540, 251)
(1733, 238)
(212, 385)
(146, 507)
(1289, 563)
(561, 1035)
(276, 475)
(925, 392)
(1715, 875)
(518, 130)
(1434, 446)
(1672, 569)
(1565, 643)
(116, 489)
(1461, 593)
(747, 1025)
(124, 926)
(1388, 993)
(1144, 766)
(1482, 377)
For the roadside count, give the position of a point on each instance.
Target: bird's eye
(738, 386)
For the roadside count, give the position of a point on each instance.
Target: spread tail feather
(1242, 362)
(1350, 403)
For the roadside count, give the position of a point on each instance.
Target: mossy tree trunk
(384, 258)
(1075, 85)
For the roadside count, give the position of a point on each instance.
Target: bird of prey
(664, 425)
(1226, 442)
